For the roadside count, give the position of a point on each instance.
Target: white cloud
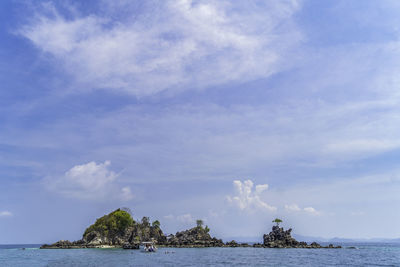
(311, 210)
(292, 207)
(296, 208)
(248, 200)
(177, 44)
(169, 217)
(185, 218)
(5, 214)
(89, 181)
(126, 193)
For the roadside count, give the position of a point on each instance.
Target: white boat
(148, 247)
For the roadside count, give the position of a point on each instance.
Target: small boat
(148, 247)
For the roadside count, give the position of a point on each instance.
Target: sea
(352, 254)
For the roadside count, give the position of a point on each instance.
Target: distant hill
(346, 240)
(255, 239)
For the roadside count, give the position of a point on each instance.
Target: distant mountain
(308, 239)
(345, 240)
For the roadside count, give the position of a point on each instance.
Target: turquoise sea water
(364, 255)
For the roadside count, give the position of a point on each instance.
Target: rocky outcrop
(116, 229)
(194, 237)
(65, 244)
(279, 238)
(144, 232)
(234, 244)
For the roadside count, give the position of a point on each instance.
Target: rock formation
(279, 238)
(118, 229)
(194, 237)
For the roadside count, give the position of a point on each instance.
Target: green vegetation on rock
(277, 221)
(199, 223)
(156, 224)
(114, 223)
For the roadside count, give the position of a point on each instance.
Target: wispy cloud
(89, 181)
(311, 210)
(296, 208)
(186, 218)
(5, 214)
(180, 44)
(357, 213)
(292, 207)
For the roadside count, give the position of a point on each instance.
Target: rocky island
(119, 230)
(279, 238)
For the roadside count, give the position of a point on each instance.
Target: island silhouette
(119, 230)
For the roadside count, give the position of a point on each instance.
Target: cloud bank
(173, 44)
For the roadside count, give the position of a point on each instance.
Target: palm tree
(277, 221)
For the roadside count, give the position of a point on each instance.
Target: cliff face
(280, 238)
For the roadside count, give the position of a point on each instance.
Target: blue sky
(235, 113)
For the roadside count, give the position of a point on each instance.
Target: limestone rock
(279, 238)
(194, 237)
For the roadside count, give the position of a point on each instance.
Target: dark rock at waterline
(279, 238)
(232, 244)
(244, 245)
(65, 244)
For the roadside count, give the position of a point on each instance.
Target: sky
(233, 112)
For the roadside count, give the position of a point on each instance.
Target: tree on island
(128, 210)
(199, 223)
(277, 221)
(156, 224)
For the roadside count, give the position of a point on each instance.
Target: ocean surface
(364, 254)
